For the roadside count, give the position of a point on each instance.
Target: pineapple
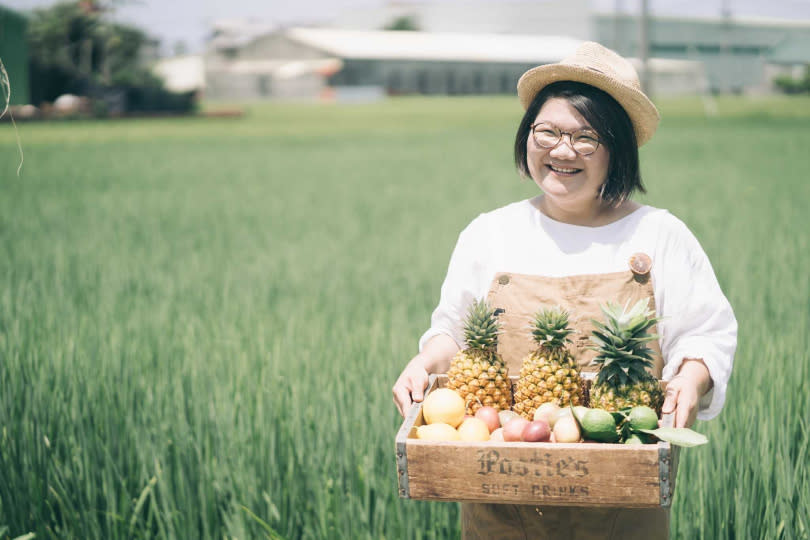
(550, 372)
(623, 356)
(477, 372)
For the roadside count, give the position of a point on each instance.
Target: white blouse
(698, 321)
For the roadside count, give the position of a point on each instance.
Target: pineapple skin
(547, 376)
(645, 392)
(624, 358)
(481, 378)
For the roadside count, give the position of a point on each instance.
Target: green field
(201, 319)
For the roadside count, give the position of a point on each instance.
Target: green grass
(201, 319)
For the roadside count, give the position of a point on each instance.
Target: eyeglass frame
(570, 138)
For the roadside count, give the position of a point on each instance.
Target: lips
(563, 170)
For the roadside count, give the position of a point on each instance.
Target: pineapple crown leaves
(550, 329)
(481, 327)
(621, 343)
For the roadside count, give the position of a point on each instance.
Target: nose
(563, 149)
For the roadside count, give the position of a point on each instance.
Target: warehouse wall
(431, 77)
(734, 53)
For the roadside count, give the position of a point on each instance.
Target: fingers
(402, 399)
(409, 388)
(682, 401)
(686, 413)
(670, 399)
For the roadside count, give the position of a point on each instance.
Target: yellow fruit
(624, 358)
(564, 412)
(473, 429)
(566, 430)
(437, 432)
(550, 373)
(548, 412)
(477, 372)
(443, 406)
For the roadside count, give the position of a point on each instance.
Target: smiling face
(571, 182)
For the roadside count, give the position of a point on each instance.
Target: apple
(490, 417)
(536, 431)
(505, 416)
(513, 429)
(497, 435)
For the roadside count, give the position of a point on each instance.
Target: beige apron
(519, 297)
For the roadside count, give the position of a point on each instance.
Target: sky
(188, 22)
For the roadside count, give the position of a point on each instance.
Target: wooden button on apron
(640, 264)
(503, 279)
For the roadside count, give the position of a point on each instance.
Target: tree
(74, 48)
(403, 23)
(76, 40)
(789, 85)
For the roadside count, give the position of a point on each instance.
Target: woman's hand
(434, 358)
(685, 390)
(410, 385)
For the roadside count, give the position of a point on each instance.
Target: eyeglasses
(584, 142)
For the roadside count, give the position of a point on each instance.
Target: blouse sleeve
(698, 321)
(462, 284)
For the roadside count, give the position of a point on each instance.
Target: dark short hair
(611, 123)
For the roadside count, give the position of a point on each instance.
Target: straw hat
(597, 66)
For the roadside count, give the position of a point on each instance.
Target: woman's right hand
(434, 358)
(410, 386)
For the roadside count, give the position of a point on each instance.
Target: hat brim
(643, 114)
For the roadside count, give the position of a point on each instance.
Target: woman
(572, 245)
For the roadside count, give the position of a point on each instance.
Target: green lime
(634, 438)
(642, 417)
(599, 425)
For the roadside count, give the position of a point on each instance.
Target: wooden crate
(551, 474)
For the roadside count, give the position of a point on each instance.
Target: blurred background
(367, 49)
(224, 226)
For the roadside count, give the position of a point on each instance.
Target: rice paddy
(201, 319)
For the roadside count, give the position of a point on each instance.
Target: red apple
(514, 428)
(505, 416)
(536, 431)
(490, 417)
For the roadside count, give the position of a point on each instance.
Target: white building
(184, 73)
(739, 55)
(329, 62)
(482, 46)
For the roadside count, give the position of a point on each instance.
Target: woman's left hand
(685, 390)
